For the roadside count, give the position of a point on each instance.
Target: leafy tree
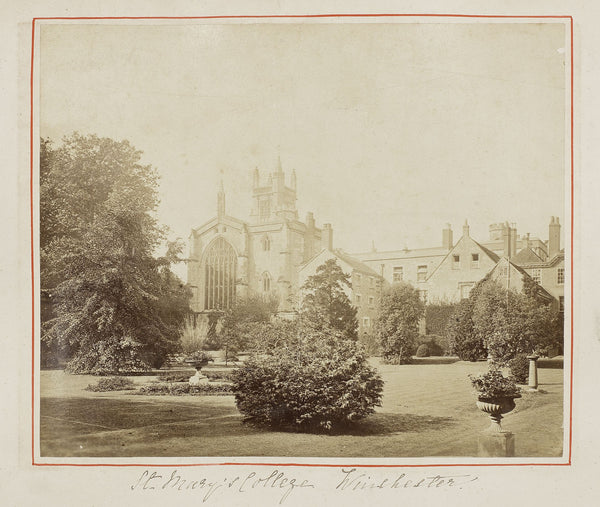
(115, 305)
(397, 324)
(503, 323)
(243, 322)
(326, 303)
(512, 323)
(464, 340)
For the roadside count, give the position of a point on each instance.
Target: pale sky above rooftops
(394, 129)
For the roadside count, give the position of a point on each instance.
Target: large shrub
(397, 324)
(519, 368)
(437, 317)
(314, 381)
(464, 341)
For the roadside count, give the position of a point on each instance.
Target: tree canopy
(326, 303)
(115, 305)
(504, 323)
(397, 324)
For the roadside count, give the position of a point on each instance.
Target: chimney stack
(327, 237)
(466, 229)
(447, 237)
(513, 239)
(553, 237)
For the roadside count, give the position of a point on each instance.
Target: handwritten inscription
(356, 480)
(284, 484)
(275, 480)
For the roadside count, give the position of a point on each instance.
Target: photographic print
(302, 237)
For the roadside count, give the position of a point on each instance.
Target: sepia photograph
(302, 237)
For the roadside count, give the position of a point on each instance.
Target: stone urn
(495, 407)
(198, 378)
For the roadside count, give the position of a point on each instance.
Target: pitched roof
(355, 263)
(492, 255)
(526, 256)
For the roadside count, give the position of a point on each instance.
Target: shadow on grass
(68, 416)
(378, 424)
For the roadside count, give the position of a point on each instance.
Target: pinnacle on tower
(221, 200)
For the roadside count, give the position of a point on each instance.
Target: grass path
(428, 410)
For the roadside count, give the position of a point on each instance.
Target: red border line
(572, 226)
(295, 16)
(282, 16)
(32, 247)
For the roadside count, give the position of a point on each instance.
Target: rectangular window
(366, 322)
(560, 276)
(536, 274)
(421, 273)
(561, 303)
(398, 274)
(371, 301)
(372, 281)
(456, 262)
(474, 261)
(358, 299)
(423, 296)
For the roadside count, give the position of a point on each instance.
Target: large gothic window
(219, 275)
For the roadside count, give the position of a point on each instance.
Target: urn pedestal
(198, 378)
(494, 441)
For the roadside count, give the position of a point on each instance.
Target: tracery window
(266, 282)
(219, 275)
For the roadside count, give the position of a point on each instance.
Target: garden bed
(435, 360)
(184, 389)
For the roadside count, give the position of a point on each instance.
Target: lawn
(428, 410)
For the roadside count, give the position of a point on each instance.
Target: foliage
(244, 322)
(194, 335)
(511, 323)
(199, 357)
(371, 343)
(115, 306)
(437, 317)
(493, 384)
(422, 350)
(519, 368)
(314, 381)
(326, 303)
(181, 388)
(111, 384)
(462, 336)
(437, 345)
(397, 322)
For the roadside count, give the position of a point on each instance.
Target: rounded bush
(423, 350)
(519, 368)
(313, 383)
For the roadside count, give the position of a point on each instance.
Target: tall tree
(326, 303)
(397, 324)
(115, 305)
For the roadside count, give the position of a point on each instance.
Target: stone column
(533, 378)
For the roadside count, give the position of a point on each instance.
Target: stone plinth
(496, 444)
(533, 377)
(198, 379)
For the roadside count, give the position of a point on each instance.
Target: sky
(393, 129)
